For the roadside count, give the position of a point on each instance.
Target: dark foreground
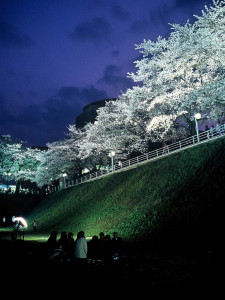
(25, 267)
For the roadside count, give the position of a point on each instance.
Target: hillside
(177, 200)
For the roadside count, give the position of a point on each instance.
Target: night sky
(56, 56)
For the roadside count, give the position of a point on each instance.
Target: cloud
(110, 76)
(190, 3)
(61, 110)
(95, 31)
(139, 26)
(179, 10)
(46, 122)
(31, 115)
(70, 92)
(113, 78)
(162, 15)
(4, 120)
(81, 95)
(91, 94)
(9, 36)
(115, 53)
(120, 13)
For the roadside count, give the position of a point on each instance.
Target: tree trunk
(18, 183)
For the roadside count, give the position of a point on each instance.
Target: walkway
(193, 141)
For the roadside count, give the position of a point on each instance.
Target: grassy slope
(178, 197)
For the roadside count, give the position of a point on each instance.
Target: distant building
(90, 112)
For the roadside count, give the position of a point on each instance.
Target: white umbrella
(22, 220)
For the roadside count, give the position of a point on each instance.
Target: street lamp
(197, 117)
(64, 179)
(112, 154)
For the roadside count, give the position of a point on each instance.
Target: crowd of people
(66, 248)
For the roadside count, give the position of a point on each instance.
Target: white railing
(192, 141)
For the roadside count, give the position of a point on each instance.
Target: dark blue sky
(56, 56)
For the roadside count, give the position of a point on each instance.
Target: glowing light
(21, 220)
(112, 153)
(198, 116)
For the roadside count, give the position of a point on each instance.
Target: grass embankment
(177, 198)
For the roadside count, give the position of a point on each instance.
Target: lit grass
(6, 229)
(136, 202)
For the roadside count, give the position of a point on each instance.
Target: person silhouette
(93, 249)
(116, 244)
(70, 246)
(34, 224)
(81, 246)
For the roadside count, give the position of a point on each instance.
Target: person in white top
(81, 246)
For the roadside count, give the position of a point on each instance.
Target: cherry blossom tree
(53, 162)
(177, 70)
(5, 156)
(64, 157)
(17, 160)
(82, 152)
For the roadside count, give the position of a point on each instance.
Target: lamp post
(64, 179)
(197, 117)
(112, 154)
